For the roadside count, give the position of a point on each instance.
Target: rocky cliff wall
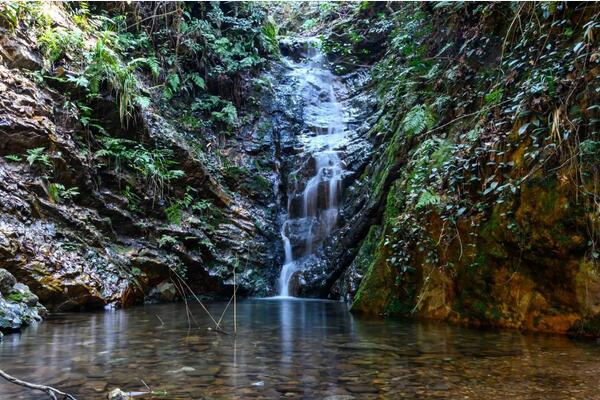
(110, 201)
(480, 201)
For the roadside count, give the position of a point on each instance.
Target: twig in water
(50, 391)
(234, 302)
(161, 321)
(182, 282)
(225, 309)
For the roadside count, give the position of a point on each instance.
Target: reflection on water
(293, 348)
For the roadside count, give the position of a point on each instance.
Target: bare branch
(50, 391)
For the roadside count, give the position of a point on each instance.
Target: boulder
(25, 295)
(165, 291)
(16, 314)
(7, 281)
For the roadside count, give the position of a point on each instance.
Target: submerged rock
(118, 394)
(164, 291)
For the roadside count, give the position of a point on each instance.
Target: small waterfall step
(313, 203)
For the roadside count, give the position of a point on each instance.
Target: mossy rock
(376, 289)
(16, 297)
(365, 254)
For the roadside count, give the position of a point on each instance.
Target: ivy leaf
(490, 188)
(523, 128)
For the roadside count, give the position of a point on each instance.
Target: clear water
(297, 349)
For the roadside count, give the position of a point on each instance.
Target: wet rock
(18, 52)
(15, 314)
(164, 291)
(118, 394)
(7, 282)
(24, 294)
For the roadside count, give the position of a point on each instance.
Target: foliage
(227, 115)
(427, 199)
(154, 166)
(13, 157)
(494, 97)
(173, 213)
(56, 42)
(38, 156)
(166, 241)
(59, 192)
(14, 13)
(418, 120)
(133, 200)
(105, 67)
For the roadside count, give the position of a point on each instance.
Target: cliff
(479, 204)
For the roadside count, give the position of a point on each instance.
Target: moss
(399, 306)
(375, 289)
(494, 226)
(16, 297)
(394, 203)
(367, 250)
(388, 161)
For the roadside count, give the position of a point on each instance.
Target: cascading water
(315, 188)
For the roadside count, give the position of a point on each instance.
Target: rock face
(110, 242)
(471, 219)
(164, 292)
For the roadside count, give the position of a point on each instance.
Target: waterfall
(314, 197)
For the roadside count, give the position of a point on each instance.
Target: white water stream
(313, 202)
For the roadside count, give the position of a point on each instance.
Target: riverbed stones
(118, 394)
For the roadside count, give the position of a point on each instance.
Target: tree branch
(50, 391)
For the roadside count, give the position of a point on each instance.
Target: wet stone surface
(297, 349)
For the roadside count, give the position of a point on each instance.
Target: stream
(300, 349)
(315, 187)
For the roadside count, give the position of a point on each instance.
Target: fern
(427, 199)
(59, 193)
(198, 80)
(173, 213)
(13, 158)
(166, 240)
(494, 97)
(227, 115)
(133, 200)
(418, 120)
(38, 156)
(104, 66)
(172, 85)
(56, 42)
